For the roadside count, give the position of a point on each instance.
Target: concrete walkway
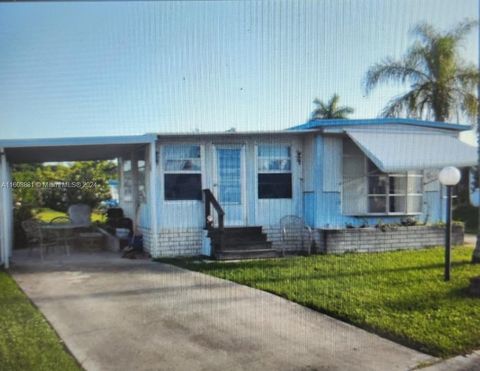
(118, 314)
(470, 362)
(470, 239)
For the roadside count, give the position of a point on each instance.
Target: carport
(69, 149)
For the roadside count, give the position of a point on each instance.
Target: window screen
(182, 172)
(274, 171)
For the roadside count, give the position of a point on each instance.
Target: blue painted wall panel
(324, 209)
(309, 208)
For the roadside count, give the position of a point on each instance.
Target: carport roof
(72, 148)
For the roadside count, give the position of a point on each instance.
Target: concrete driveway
(118, 314)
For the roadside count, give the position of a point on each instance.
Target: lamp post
(449, 176)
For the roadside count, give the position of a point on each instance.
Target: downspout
(5, 210)
(153, 196)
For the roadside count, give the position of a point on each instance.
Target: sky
(108, 68)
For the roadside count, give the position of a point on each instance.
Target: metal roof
(76, 141)
(72, 148)
(233, 133)
(398, 152)
(319, 124)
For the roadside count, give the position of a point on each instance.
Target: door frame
(243, 177)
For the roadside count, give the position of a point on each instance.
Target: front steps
(241, 243)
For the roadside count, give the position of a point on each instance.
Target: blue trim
(317, 124)
(78, 141)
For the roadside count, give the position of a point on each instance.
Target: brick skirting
(174, 242)
(374, 239)
(188, 242)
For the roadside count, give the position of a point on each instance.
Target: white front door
(230, 182)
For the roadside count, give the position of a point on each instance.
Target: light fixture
(299, 157)
(449, 176)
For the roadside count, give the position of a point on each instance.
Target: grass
(27, 342)
(45, 215)
(400, 295)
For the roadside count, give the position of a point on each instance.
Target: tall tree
(441, 84)
(331, 109)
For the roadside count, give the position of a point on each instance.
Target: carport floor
(118, 314)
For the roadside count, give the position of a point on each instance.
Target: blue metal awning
(396, 151)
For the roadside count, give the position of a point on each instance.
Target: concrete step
(237, 231)
(246, 245)
(245, 240)
(245, 254)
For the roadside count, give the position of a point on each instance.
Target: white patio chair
(295, 232)
(80, 215)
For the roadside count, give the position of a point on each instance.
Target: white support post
(153, 196)
(6, 209)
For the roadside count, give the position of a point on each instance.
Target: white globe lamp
(449, 176)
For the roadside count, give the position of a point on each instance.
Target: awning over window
(398, 151)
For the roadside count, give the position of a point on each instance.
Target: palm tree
(331, 109)
(441, 84)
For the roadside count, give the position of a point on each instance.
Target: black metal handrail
(210, 200)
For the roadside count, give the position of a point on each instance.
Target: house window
(274, 172)
(399, 193)
(127, 180)
(142, 194)
(182, 172)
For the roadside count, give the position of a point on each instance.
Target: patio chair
(80, 215)
(29, 229)
(86, 233)
(35, 234)
(296, 233)
(65, 237)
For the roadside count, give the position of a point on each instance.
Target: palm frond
(343, 112)
(468, 77)
(462, 29)
(389, 71)
(470, 106)
(330, 110)
(425, 32)
(405, 104)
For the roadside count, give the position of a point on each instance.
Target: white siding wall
(179, 214)
(270, 211)
(430, 180)
(308, 161)
(186, 218)
(333, 158)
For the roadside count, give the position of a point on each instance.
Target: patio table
(61, 233)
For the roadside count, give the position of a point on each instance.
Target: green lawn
(400, 295)
(45, 215)
(27, 342)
